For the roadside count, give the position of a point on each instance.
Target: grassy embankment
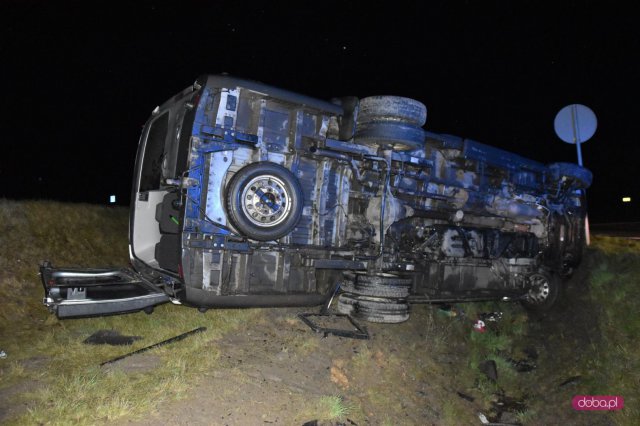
(587, 345)
(59, 381)
(63, 382)
(614, 288)
(49, 375)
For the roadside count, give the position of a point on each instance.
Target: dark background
(79, 79)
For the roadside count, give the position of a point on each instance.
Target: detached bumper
(71, 293)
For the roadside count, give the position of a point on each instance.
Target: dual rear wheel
(380, 298)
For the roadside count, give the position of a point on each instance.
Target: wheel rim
(265, 201)
(540, 288)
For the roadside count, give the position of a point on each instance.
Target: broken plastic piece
(451, 311)
(110, 337)
(570, 381)
(479, 326)
(490, 369)
(491, 316)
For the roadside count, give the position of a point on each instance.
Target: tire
(378, 285)
(583, 177)
(397, 136)
(264, 201)
(544, 293)
(374, 309)
(392, 108)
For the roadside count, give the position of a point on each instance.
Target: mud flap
(72, 292)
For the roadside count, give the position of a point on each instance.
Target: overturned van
(249, 195)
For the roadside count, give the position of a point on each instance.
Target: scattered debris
(483, 419)
(110, 337)
(451, 311)
(465, 396)
(491, 316)
(531, 352)
(3, 355)
(328, 423)
(325, 308)
(490, 369)
(337, 374)
(503, 405)
(522, 365)
(570, 381)
(164, 342)
(479, 326)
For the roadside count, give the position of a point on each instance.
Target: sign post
(576, 124)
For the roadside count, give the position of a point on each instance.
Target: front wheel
(545, 289)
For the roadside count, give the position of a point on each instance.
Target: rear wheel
(374, 309)
(377, 285)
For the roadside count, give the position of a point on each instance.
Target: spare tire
(264, 201)
(401, 137)
(392, 108)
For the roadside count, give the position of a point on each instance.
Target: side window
(154, 154)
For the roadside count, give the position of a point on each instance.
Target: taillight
(180, 272)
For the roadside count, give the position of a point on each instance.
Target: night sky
(79, 79)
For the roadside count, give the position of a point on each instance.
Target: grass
(326, 408)
(614, 287)
(333, 407)
(86, 235)
(384, 373)
(93, 394)
(608, 362)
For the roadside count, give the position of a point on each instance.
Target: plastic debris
(483, 419)
(570, 381)
(465, 396)
(491, 316)
(3, 355)
(450, 311)
(480, 326)
(522, 365)
(110, 337)
(490, 369)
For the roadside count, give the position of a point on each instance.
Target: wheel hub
(265, 201)
(539, 288)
